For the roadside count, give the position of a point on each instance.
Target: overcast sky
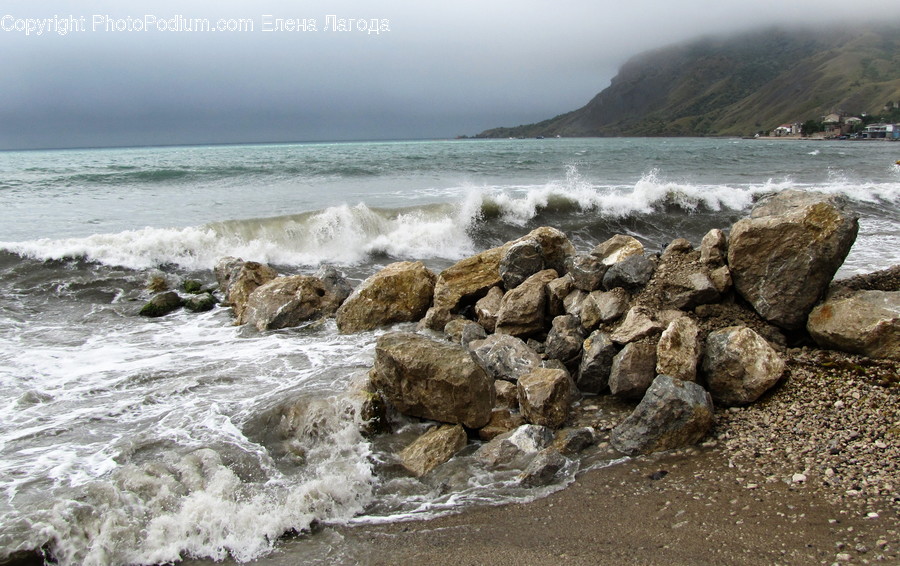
(436, 71)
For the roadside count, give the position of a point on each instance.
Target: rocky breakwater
(511, 340)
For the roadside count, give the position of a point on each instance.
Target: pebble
(798, 478)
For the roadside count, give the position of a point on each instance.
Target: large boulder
(401, 292)
(433, 380)
(865, 322)
(596, 363)
(672, 414)
(678, 351)
(784, 256)
(288, 301)
(520, 261)
(505, 357)
(238, 279)
(545, 395)
(523, 310)
(740, 365)
(433, 449)
(633, 370)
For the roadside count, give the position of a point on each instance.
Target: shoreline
(757, 492)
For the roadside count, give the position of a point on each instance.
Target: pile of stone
(510, 338)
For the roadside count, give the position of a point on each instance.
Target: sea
(129, 440)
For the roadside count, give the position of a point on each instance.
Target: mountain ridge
(738, 85)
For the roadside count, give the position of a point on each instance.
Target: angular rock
(512, 447)
(543, 468)
(334, 281)
(617, 248)
(695, 289)
(784, 256)
(633, 370)
(721, 279)
(571, 441)
(678, 350)
(520, 261)
(523, 310)
(672, 414)
(240, 280)
(201, 302)
(631, 273)
(866, 322)
(574, 302)
(604, 306)
(739, 365)
(433, 449)
(678, 246)
(502, 421)
(162, 304)
(544, 396)
(638, 323)
(713, 248)
(507, 395)
(587, 272)
(555, 247)
(596, 363)
(504, 356)
(557, 291)
(565, 339)
(471, 277)
(433, 380)
(487, 307)
(401, 292)
(288, 301)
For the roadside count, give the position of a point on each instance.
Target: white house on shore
(882, 131)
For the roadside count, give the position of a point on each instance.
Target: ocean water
(126, 440)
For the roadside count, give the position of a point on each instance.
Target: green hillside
(738, 85)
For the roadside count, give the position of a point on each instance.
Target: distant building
(882, 131)
(787, 130)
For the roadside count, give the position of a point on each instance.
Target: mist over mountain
(739, 85)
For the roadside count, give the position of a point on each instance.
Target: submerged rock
(866, 322)
(543, 468)
(200, 302)
(433, 380)
(784, 256)
(512, 447)
(672, 414)
(162, 304)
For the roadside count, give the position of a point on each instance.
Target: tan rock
(433, 449)
(740, 365)
(617, 248)
(433, 380)
(866, 322)
(523, 310)
(639, 323)
(502, 421)
(401, 292)
(487, 307)
(678, 350)
(285, 302)
(544, 396)
(238, 279)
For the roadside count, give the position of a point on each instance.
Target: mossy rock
(192, 286)
(162, 304)
(201, 302)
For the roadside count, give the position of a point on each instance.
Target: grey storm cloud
(137, 73)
